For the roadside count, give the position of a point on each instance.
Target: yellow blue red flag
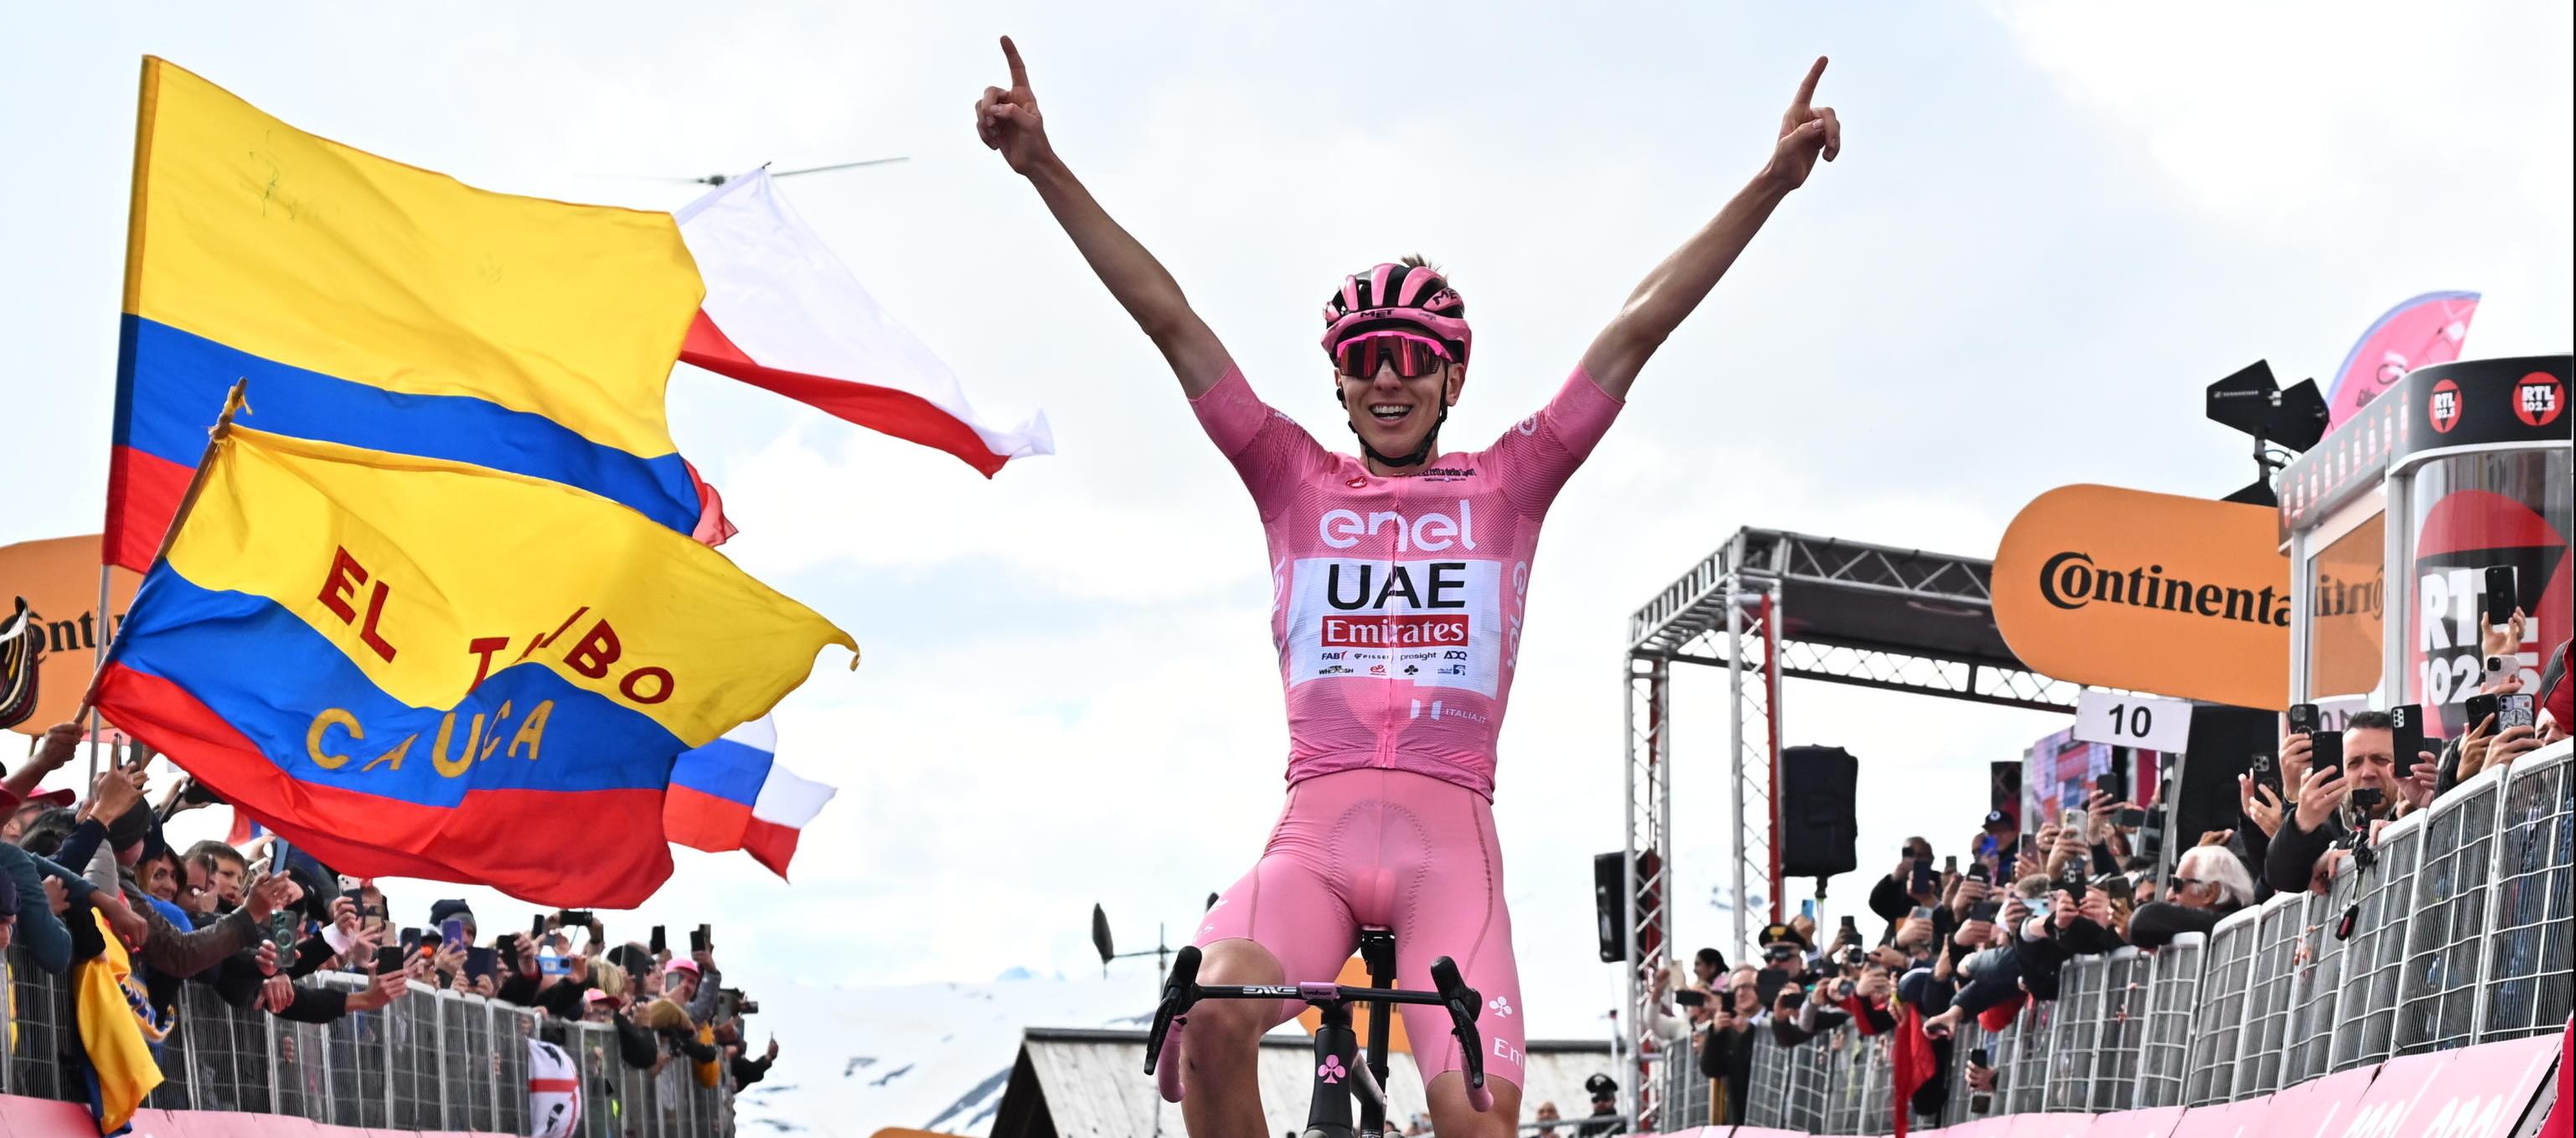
(416, 667)
(117, 1027)
(387, 307)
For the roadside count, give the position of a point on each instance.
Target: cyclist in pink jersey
(1399, 578)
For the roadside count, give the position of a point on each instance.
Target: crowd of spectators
(1978, 942)
(255, 924)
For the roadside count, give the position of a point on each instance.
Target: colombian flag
(409, 666)
(384, 307)
(117, 1029)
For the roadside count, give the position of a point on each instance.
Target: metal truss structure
(1765, 606)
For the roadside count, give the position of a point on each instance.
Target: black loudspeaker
(2222, 745)
(1819, 833)
(1609, 917)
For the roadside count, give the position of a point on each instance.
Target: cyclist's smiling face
(1393, 414)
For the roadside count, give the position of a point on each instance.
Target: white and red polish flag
(783, 313)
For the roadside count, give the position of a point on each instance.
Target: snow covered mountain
(928, 1056)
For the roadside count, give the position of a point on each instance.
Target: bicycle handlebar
(1182, 990)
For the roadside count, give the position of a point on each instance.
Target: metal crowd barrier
(2173, 986)
(434, 1060)
(2456, 933)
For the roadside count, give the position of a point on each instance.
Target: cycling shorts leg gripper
(1288, 904)
(1455, 908)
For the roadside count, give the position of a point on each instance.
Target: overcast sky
(2050, 227)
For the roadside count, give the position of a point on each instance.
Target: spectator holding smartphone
(2366, 781)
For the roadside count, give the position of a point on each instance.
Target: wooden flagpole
(233, 401)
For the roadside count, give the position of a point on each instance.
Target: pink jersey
(1396, 602)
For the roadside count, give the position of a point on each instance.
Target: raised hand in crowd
(484, 987)
(1974, 935)
(2416, 789)
(2062, 911)
(276, 994)
(270, 893)
(129, 926)
(2505, 641)
(2510, 744)
(115, 792)
(344, 913)
(2473, 747)
(384, 990)
(2321, 879)
(2260, 805)
(2298, 753)
(266, 959)
(2096, 907)
(2319, 799)
(53, 750)
(2222, 837)
(1965, 897)
(450, 962)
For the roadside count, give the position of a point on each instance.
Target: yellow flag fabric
(384, 306)
(117, 1028)
(413, 667)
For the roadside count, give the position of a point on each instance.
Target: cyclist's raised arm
(1008, 121)
(1676, 287)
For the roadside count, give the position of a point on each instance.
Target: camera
(1853, 957)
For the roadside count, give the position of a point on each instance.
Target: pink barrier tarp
(2226, 1120)
(2473, 1092)
(2049, 1125)
(2158, 1122)
(2318, 1107)
(45, 1118)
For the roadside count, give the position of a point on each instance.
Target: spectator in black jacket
(2332, 803)
(2207, 884)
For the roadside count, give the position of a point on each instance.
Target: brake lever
(1464, 1003)
(1180, 992)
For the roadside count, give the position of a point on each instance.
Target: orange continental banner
(59, 578)
(2157, 593)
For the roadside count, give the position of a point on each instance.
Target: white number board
(2124, 720)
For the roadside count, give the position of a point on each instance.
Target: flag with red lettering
(782, 313)
(416, 668)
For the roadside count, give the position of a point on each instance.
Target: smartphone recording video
(2303, 719)
(2499, 595)
(1984, 911)
(2327, 758)
(660, 944)
(2515, 709)
(699, 940)
(1690, 997)
(2406, 729)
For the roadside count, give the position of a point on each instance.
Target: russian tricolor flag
(732, 794)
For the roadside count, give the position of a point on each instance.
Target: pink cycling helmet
(1397, 297)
